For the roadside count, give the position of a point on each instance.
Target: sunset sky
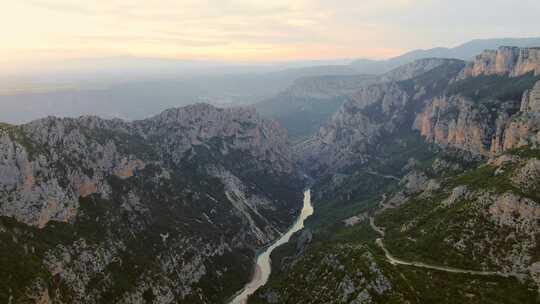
(251, 30)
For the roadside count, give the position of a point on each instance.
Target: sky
(37, 31)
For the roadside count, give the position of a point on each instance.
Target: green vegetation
(317, 276)
(19, 267)
(16, 134)
(494, 87)
(525, 152)
(175, 206)
(487, 177)
(425, 229)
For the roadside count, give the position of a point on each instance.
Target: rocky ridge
(510, 61)
(372, 111)
(165, 208)
(460, 122)
(346, 137)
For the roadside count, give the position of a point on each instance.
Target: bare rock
(512, 61)
(528, 176)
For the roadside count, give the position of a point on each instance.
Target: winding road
(384, 176)
(396, 261)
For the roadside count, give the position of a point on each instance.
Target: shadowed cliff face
(169, 208)
(310, 102)
(373, 113)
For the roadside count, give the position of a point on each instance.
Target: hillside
(305, 106)
(157, 210)
(445, 167)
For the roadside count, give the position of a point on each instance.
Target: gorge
(263, 266)
(442, 153)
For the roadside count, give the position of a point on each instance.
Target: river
(262, 267)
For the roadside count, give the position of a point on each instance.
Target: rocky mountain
(426, 192)
(310, 101)
(492, 110)
(466, 51)
(305, 106)
(374, 111)
(167, 209)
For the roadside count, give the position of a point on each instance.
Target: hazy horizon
(46, 33)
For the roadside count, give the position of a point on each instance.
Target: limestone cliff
(511, 61)
(310, 102)
(373, 112)
(484, 128)
(454, 122)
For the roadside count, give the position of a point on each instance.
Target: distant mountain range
(135, 88)
(305, 105)
(465, 51)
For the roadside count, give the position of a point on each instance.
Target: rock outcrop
(531, 100)
(523, 128)
(453, 121)
(384, 108)
(510, 61)
(347, 136)
(462, 123)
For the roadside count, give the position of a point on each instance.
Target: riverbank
(263, 262)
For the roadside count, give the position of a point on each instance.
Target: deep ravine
(263, 263)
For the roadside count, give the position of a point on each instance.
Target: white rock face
(512, 210)
(242, 129)
(42, 187)
(247, 206)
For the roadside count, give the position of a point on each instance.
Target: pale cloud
(252, 29)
